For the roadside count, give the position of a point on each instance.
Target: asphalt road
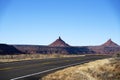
(35, 69)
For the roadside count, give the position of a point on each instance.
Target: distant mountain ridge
(8, 49)
(61, 47)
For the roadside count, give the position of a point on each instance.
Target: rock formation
(60, 47)
(110, 43)
(59, 43)
(8, 49)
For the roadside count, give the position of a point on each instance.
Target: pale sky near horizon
(78, 22)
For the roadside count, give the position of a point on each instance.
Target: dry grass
(106, 69)
(11, 58)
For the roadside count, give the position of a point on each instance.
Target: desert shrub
(117, 55)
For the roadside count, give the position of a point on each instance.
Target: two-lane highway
(34, 69)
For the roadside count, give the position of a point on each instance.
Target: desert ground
(22, 57)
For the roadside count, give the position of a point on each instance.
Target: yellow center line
(6, 68)
(78, 59)
(9, 68)
(48, 63)
(45, 63)
(66, 60)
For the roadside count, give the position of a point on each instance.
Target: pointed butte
(59, 43)
(59, 37)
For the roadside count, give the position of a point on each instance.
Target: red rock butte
(60, 47)
(110, 43)
(59, 43)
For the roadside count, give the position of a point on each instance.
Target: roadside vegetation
(11, 58)
(105, 69)
(117, 55)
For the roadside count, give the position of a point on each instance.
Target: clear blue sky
(78, 22)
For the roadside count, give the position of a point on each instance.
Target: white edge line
(46, 71)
